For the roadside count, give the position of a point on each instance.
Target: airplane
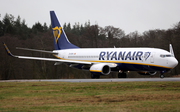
(102, 61)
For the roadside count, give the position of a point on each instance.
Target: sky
(128, 15)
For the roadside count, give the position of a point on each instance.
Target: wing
(45, 59)
(43, 51)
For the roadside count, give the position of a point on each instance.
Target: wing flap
(36, 50)
(51, 59)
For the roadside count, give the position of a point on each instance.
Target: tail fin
(60, 39)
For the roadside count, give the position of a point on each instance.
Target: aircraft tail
(60, 39)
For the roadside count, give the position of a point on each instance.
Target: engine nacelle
(101, 68)
(147, 73)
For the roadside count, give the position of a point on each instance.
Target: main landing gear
(95, 76)
(122, 75)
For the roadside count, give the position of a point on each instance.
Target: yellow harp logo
(56, 33)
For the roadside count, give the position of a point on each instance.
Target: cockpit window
(167, 55)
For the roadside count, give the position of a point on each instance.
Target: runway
(96, 80)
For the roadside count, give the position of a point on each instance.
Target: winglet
(7, 50)
(171, 49)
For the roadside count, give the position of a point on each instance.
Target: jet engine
(147, 73)
(102, 68)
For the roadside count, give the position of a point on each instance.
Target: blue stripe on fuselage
(133, 67)
(138, 67)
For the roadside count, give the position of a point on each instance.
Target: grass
(100, 97)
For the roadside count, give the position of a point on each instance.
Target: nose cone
(174, 62)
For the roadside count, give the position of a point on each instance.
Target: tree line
(15, 33)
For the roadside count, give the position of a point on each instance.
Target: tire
(95, 76)
(119, 75)
(161, 76)
(92, 76)
(122, 75)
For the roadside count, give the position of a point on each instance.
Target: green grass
(100, 97)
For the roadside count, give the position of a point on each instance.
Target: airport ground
(90, 96)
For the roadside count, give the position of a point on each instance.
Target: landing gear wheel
(161, 76)
(95, 76)
(122, 75)
(92, 76)
(119, 75)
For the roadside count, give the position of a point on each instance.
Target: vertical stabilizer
(60, 39)
(171, 49)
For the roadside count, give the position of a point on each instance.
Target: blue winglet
(7, 50)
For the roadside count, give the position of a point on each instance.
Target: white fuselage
(152, 59)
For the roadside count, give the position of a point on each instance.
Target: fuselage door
(152, 57)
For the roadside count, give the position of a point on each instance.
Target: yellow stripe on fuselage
(116, 62)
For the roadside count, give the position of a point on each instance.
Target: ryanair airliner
(102, 61)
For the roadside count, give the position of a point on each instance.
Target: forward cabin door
(152, 57)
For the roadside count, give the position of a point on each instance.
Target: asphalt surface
(96, 80)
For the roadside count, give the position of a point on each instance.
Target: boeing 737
(102, 61)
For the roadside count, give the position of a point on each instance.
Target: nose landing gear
(161, 74)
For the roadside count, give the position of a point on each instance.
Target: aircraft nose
(174, 62)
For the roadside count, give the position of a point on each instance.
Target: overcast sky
(128, 15)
